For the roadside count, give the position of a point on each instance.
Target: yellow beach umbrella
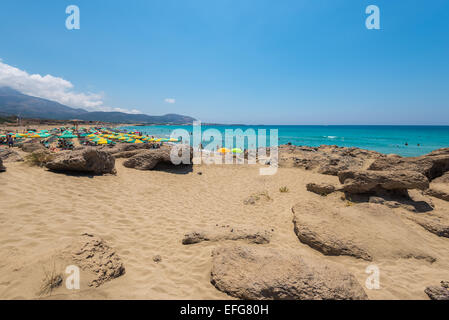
(138, 141)
(223, 150)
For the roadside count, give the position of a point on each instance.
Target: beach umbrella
(237, 150)
(223, 150)
(68, 136)
(138, 141)
(102, 142)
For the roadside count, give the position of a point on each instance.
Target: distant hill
(13, 102)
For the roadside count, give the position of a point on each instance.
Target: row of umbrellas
(29, 134)
(106, 137)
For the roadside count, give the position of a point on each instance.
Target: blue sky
(255, 62)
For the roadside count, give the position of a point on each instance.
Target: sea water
(402, 140)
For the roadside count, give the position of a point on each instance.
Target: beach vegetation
(39, 158)
(52, 280)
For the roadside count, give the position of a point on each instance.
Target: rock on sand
(365, 231)
(86, 160)
(260, 273)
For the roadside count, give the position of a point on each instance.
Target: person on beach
(10, 141)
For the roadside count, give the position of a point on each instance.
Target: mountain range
(13, 102)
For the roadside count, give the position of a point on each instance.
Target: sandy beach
(145, 214)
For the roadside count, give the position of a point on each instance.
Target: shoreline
(410, 150)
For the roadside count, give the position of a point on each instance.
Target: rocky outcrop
(439, 187)
(222, 233)
(322, 189)
(438, 191)
(148, 159)
(86, 160)
(404, 203)
(411, 200)
(434, 223)
(432, 165)
(328, 160)
(92, 254)
(31, 146)
(444, 179)
(128, 154)
(364, 181)
(125, 147)
(438, 292)
(9, 155)
(2, 167)
(333, 159)
(258, 273)
(364, 231)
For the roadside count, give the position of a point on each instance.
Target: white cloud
(170, 100)
(53, 88)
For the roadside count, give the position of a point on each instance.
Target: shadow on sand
(391, 199)
(180, 169)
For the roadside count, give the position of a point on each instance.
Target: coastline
(405, 141)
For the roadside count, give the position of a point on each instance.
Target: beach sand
(142, 214)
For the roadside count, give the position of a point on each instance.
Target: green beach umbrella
(68, 136)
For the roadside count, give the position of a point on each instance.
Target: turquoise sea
(385, 139)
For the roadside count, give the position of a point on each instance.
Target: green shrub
(39, 158)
